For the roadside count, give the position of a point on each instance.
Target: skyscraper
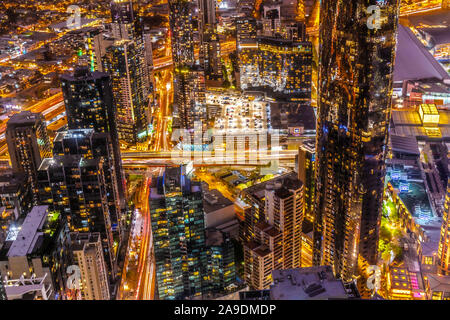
(91, 145)
(125, 23)
(274, 231)
(88, 99)
(178, 228)
(182, 33)
(86, 249)
(190, 95)
(28, 145)
(220, 267)
(355, 85)
(124, 61)
(306, 174)
(189, 77)
(75, 187)
(280, 67)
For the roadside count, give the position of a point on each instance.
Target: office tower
(189, 77)
(125, 24)
(207, 9)
(149, 59)
(88, 99)
(178, 229)
(93, 38)
(86, 250)
(444, 243)
(36, 251)
(126, 66)
(28, 145)
(190, 96)
(91, 145)
(220, 266)
(75, 186)
(210, 43)
(275, 229)
(306, 174)
(182, 33)
(212, 61)
(15, 193)
(355, 87)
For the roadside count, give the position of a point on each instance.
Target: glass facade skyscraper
(126, 66)
(355, 88)
(178, 228)
(88, 99)
(189, 77)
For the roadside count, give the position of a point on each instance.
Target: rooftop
(314, 283)
(413, 61)
(404, 144)
(439, 283)
(29, 234)
(213, 200)
(24, 118)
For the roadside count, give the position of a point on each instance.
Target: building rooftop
(213, 200)
(258, 191)
(413, 61)
(402, 144)
(439, 283)
(24, 119)
(314, 283)
(285, 115)
(80, 239)
(29, 234)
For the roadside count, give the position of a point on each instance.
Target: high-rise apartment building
(125, 63)
(37, 251)
(88, 98)
(86, 250)
(190, 96)
(306, 174)
(220, 266)
(90, 145)
(355, 88)
(75, 186)
(125, 23)
(275, 232)
(178, 228)
(28, 145)
(182, 33)
(282, 68)
(189, 76)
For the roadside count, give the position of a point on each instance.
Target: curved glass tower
(357, 54)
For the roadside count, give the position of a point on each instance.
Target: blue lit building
(178, 228)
